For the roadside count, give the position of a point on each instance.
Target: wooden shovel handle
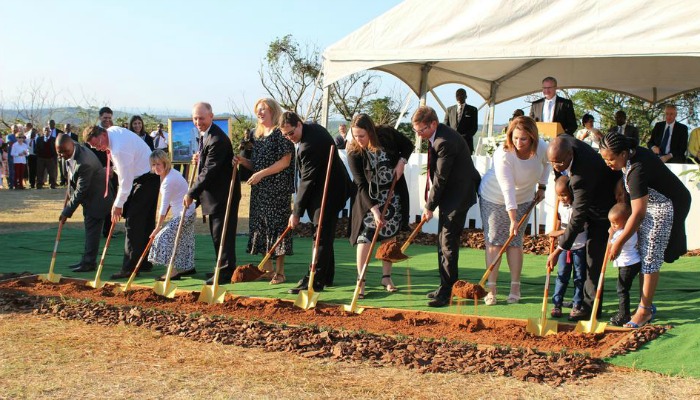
(274, 246)
(413, 235)
(389, 197)
(314, 255)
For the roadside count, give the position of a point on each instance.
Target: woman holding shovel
(173, 187)
(376, 157)
(272, 185)
(505, 194)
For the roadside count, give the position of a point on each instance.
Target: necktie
(429, 173)
(664, 140)
(619, 129)
(459, 111)
(157, 141)
(550, 111)
(109, 162)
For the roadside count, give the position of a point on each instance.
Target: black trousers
(325, 265)
(625, 278)
(595, 253)
(139, 214)
(44, 166)
(450, 228)
(93, 226)
(62, 171)
(31, 169)
(216, 228)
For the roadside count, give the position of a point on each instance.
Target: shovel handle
(413, 235)
(274, 246)
(601, 279)
(505, 246)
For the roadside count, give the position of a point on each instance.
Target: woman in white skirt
(173, 188)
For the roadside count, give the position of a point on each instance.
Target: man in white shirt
(137, 195)
(32, 136)
(622, 127)
(160, 139)
(553, 108)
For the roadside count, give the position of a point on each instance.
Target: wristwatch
(542, 187)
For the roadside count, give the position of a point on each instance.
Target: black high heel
(390, 287)
(362, 290)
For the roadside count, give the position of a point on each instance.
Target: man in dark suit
(341, 137)
(453, 184)
(46, 161)
(86, 177)
(669, 139)
(314, 146)
(552, 108)
(32, 136)
(622, 127)
(211, 188)
(463, 118)
(593, 186)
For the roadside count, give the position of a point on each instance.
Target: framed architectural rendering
(183, 137)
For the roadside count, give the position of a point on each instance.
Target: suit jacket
(563, 113)
(312, 163)
(74, 136)
(466, 124)
(210, 190)
(454, 179)
(88, 186)
(679, 140)
(45, 148)
(630, 131)
(593, 186)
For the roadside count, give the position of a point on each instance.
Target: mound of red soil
(246, 273)
(468, 290)
(390, 251)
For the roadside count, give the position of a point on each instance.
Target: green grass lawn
(677, 296)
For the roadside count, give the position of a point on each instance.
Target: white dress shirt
(162, 142)
(628, 254)
(172, 189)
(548, 110)
(130, 157)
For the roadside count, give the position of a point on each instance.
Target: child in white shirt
(629, 263)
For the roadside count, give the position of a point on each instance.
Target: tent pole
(324, 106)
(406, 103)
(444, 109)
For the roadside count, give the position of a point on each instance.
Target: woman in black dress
(660, 203)
(272, 182)
(375, 157)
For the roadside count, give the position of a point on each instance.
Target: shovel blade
(350, 308)
(165, 290)
(307, 299)
(50, 277)
(540, 327)
(212, 295)
(592, 326)
(97, 284)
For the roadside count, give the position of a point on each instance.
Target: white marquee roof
(502, 49)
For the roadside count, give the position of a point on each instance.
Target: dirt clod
(246, 273)
(390, 251)
(466, 290)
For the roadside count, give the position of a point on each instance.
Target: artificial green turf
(677, 296)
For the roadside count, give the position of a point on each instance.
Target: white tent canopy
(502, 49)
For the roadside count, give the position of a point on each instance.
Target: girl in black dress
(375, 157)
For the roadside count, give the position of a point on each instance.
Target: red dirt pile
(468, 290)
(390, 251)
(246, 273)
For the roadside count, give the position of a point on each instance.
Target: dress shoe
(146, 267)
(439, 301)
(432, 294)
(122, 275)
(190, 272)
(304, 285)
(225, 275)
(74, 266)
(84, 268)
(176, 277)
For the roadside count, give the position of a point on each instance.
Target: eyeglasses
(557, 163)
(420, 131)
(548, 87)
(288, 134)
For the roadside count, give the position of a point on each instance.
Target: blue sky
(165, 55)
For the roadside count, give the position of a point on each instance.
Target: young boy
(628, 262)
(573, 259)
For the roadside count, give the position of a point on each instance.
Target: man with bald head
(86, 178)
(137, 195)
(211, 188)
(593, 186)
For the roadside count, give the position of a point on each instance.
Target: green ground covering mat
(677, 300)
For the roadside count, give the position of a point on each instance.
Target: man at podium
(553, 108)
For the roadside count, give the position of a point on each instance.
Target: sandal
(277, 279)
(635, 325)
(512, 297)
(389, 286)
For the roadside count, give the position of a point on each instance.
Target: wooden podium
(549, 129)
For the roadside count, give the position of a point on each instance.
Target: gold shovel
(98, 283)
(307, 298)
(593, 326)
(541, 326)
(51, 277)
(215, 294)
